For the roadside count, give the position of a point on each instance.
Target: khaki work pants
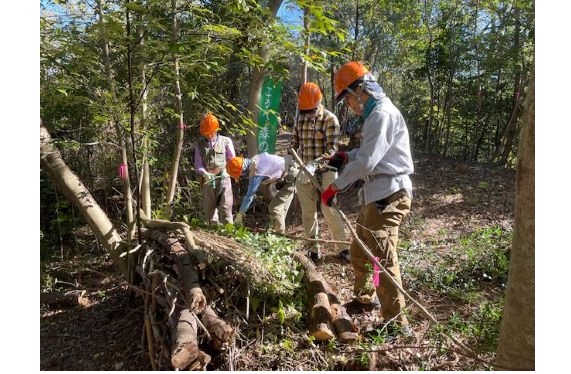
(217, 201)
(378, 227)
(308, 198)
(279, 207)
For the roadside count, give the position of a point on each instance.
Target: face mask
(361, 106)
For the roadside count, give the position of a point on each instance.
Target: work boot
(315, 253)
(355, 306)
(315, 257)
(344, 255)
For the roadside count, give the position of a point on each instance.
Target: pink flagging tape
(376, 274)
(122, 170)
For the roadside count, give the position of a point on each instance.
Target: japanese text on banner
(268, 116)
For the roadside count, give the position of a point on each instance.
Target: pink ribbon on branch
(122, 170)
(376, 273)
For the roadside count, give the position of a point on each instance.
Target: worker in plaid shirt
(317, 133)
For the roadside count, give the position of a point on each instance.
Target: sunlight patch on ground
(455, 198)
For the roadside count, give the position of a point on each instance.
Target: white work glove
(238, 219)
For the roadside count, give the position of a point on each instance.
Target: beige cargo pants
(378, 227)
(309, 197)
(279, 207)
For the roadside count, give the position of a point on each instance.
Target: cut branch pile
(327, 315)
(230, 251)
(178, 315)
(174, 305)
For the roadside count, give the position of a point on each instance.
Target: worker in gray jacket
(383, 160)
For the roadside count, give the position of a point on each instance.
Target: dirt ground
(451, 197)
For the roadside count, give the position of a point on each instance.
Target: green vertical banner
(268, 115)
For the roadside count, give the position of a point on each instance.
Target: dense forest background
(123, 85)
(126, 82)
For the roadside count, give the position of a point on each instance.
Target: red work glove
(338, 160)
(328, 195)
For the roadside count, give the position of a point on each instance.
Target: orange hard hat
(347, 75)
(309, 96)
(234, 166)
(208, 125)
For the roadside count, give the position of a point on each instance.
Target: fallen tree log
(185, 340)
(343, 324)
(203, 244)
(170, 287)
(171, 226)
(201, 361)
(182, 319)
(192, 293)
(220, 332)
(326, 310)
(76, 192)
(65, 298)
(320, 326)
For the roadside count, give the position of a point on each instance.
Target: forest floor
(452, 200)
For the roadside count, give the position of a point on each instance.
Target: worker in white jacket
(383, 160)
(265, 168)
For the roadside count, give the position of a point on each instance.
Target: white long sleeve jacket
(384, 154)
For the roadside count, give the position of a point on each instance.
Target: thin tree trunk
(511, 130)
(516, 348)
(70, 185)
(127, 195)
(145, 186)
(428, 127)
(356, 29)
(484, 125)
(253, 98)
(478, 114)
(173, 176)
(303, 78)
(132, 256)
(495, 140)
(333, 106)
(447, 113)
(434, 145)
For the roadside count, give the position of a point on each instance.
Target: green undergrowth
(472, 263)
(275, 253)
(471, 273)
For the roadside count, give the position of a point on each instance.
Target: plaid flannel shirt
(317, 136)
